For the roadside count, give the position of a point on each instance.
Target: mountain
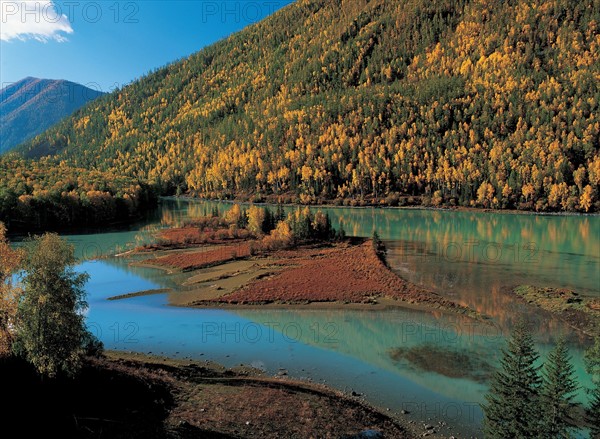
(32, 105)
(474, 103)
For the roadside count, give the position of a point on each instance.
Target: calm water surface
(444, 361)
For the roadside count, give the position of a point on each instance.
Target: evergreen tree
(376, 240)
(268, 223)
(243, 219)
(592, 365)
(512, 409)
(558, 392)
(280, 216)
(341, 233)
(593, 412)
(379, 247)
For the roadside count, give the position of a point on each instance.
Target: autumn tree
(232, 216)
(9, 294)
(256, 217)
(322, 226)
(471, 103)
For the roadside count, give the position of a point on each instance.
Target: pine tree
(280, 216)
(513, 409)
(592, 365)
(558, 392)
(268, 223)
(379, 247)
(593, 412)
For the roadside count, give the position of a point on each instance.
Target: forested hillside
(42, 195)
(30, 106)
(475, 103)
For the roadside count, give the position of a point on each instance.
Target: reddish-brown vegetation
(203, 230)
(183, 236)
(193, 260)
(348, 273)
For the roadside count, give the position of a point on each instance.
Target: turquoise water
(346, 349)
(472, 257)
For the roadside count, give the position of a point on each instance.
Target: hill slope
(32, 105)
(475, 103)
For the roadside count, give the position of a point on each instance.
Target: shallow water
(347, 349)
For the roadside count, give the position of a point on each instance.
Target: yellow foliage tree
(256, 216)
(485, 194)
(232, 216)
(587, 198)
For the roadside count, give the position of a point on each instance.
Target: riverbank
(582, 313)
(326, 275)
(416, 204)
(121, 395)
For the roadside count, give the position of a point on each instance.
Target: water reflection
(472, 257)
(347, 349)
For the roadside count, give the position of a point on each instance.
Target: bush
(392, 200)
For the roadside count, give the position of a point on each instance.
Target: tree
(232, 216)
(379, 247)
(256, 217)
(322, 226)
(512, 409)
(558, 392)
(280, 215)
(593, 412)
(50, 324)
(268, 222)
(9, 294)
(592, 365)
(301, 223)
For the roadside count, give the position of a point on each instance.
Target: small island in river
(298, 260)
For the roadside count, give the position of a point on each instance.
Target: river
(432, 365)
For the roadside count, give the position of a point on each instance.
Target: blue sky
(104, 44)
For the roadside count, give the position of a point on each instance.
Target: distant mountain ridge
(30, 106)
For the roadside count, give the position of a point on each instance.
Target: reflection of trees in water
(445, 361)
(485, 288)
(555, 234)
(469, 256)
